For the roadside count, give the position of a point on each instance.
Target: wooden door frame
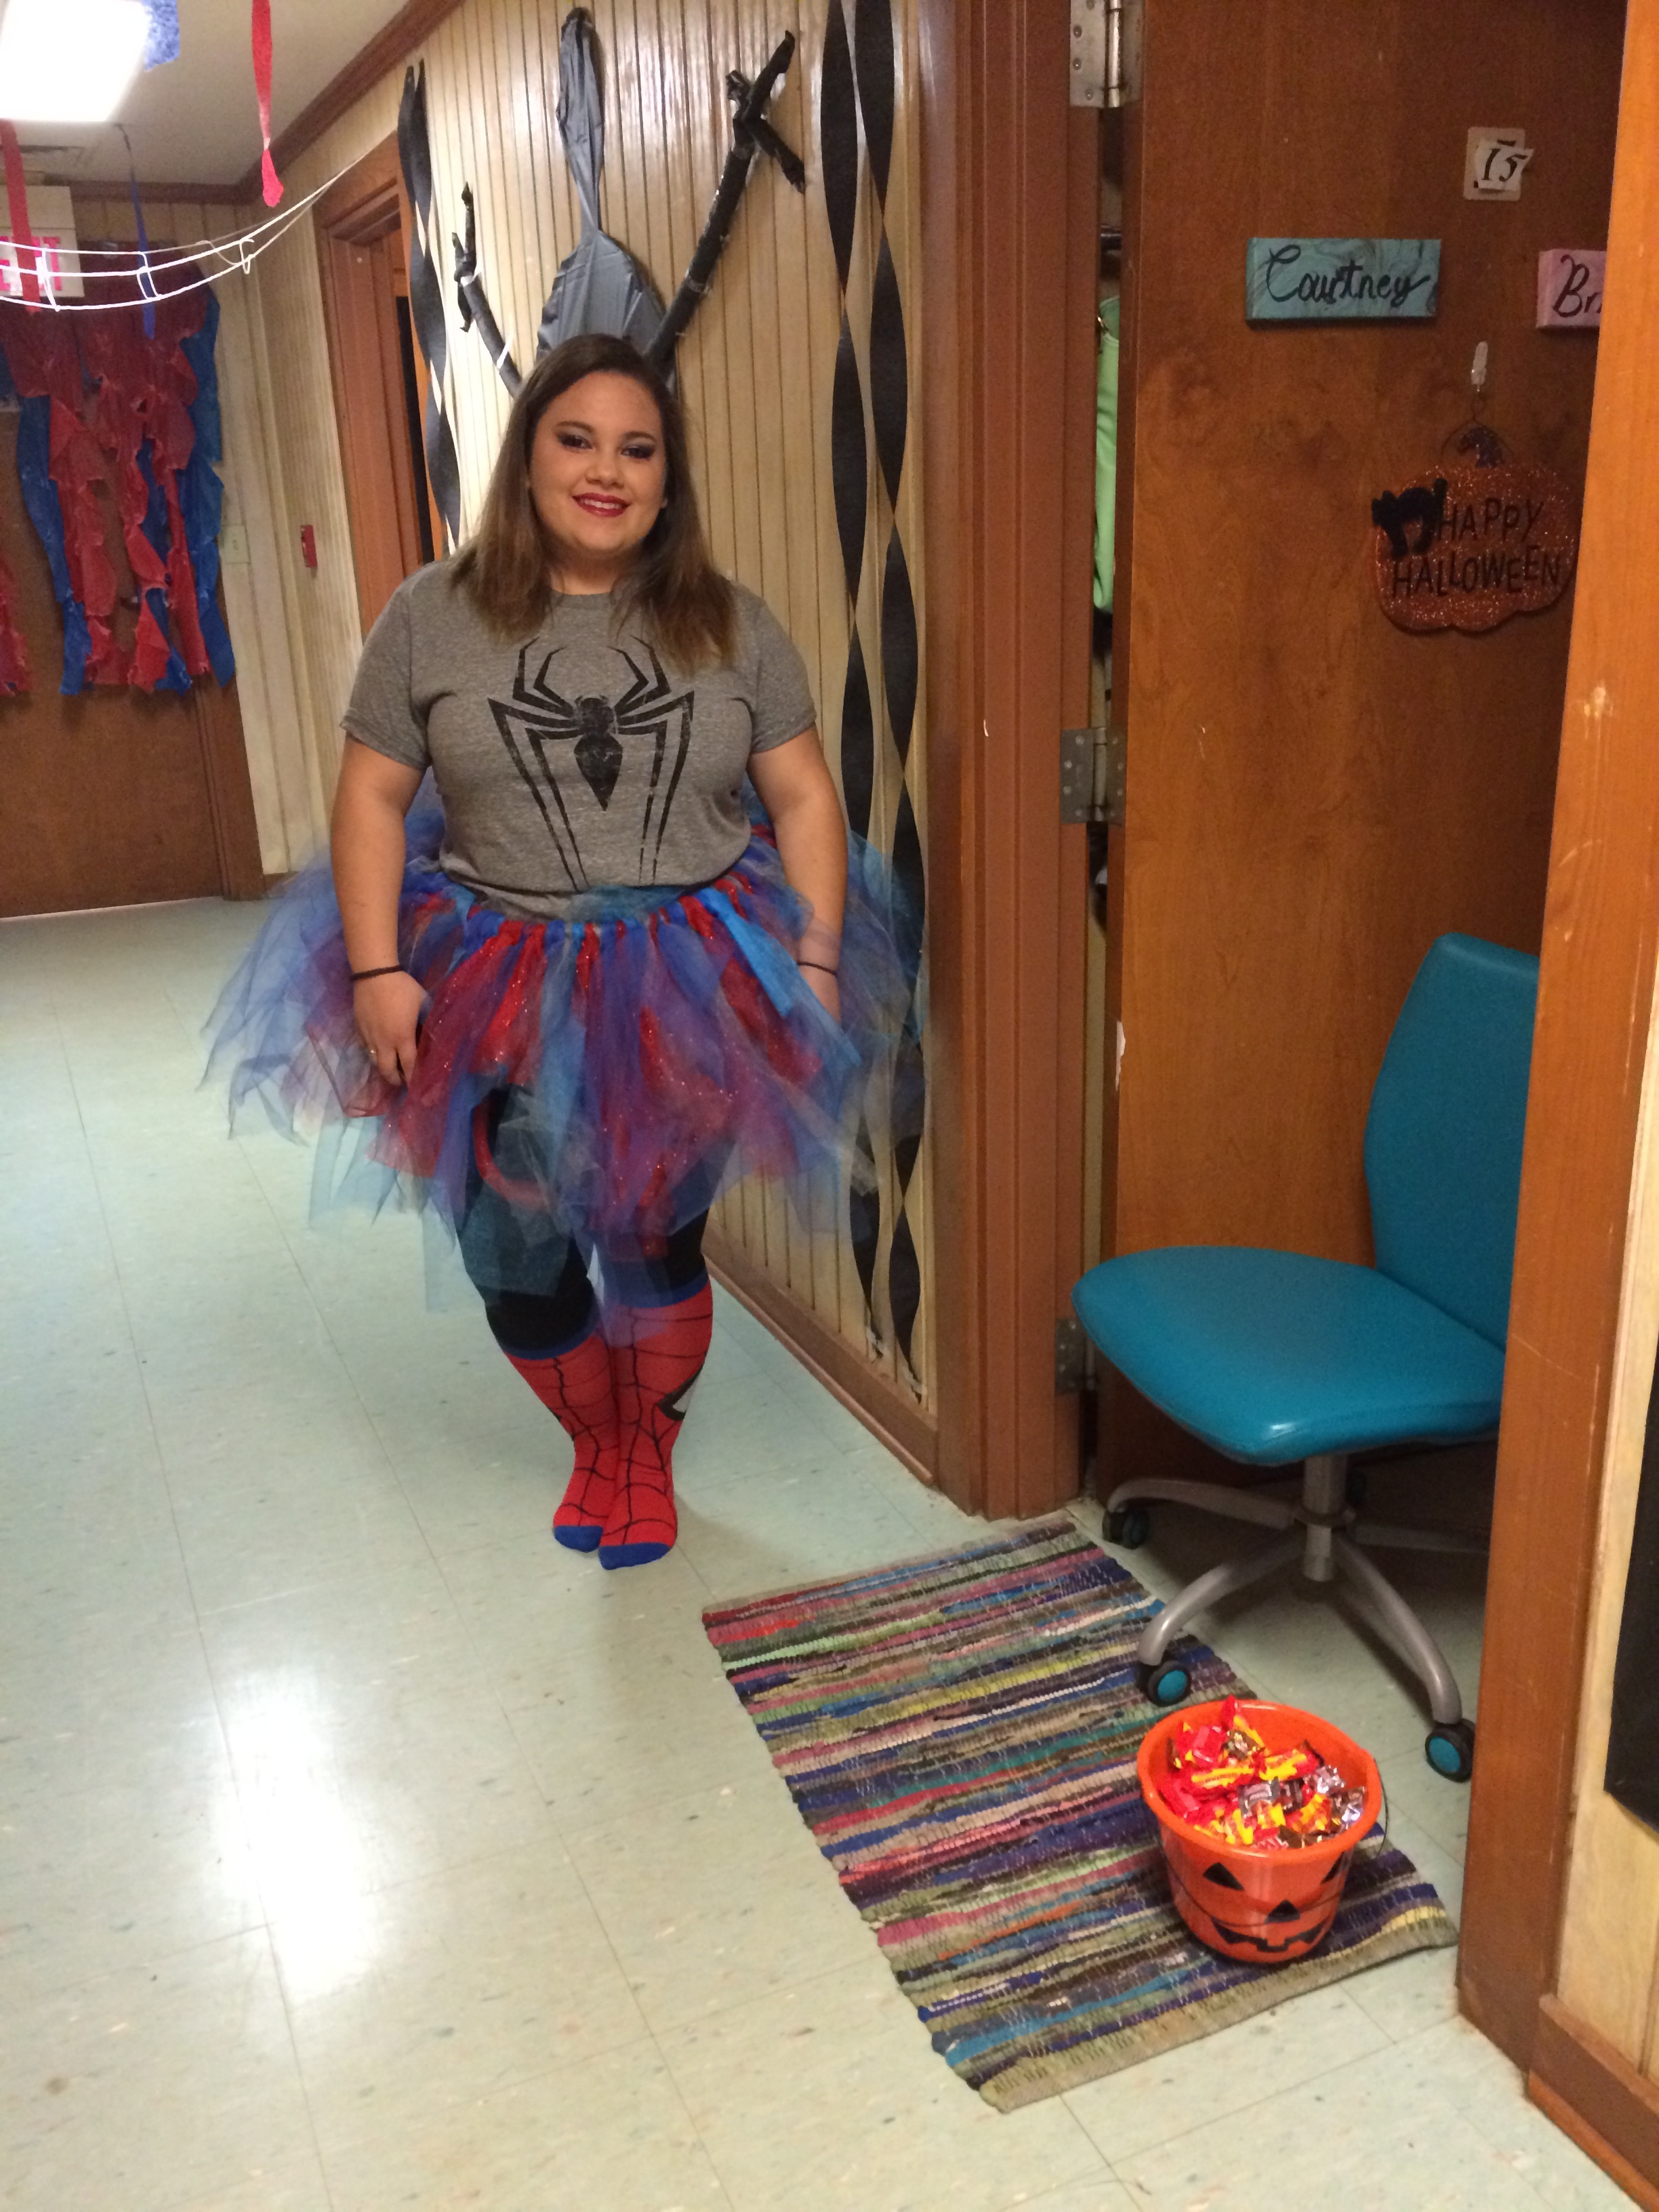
(1596, 996)
(360, 208)
(1011, 195)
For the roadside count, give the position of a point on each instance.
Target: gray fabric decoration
(600, 287)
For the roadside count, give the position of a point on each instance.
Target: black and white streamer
(426, 300)
(857, 86)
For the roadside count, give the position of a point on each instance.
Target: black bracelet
(819, 965)
(362, 975)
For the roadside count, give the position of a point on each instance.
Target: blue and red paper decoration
(103, 404)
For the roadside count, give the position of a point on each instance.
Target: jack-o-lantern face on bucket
(1290, 1916)
(1263, 1903)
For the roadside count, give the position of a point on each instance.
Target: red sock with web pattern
(657, 1353)
(574, 1386)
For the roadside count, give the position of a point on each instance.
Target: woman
(603, 994)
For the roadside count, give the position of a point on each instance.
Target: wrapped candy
(1222, 1777)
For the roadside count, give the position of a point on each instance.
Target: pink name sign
(1570, 288)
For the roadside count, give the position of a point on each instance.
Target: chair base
(1322, 1532)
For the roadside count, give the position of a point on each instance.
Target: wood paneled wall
(1313, 794)
(756, 368)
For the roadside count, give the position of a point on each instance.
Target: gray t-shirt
(577, 760)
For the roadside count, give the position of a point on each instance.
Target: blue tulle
(602, 1076)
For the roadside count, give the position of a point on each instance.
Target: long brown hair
(673, 590)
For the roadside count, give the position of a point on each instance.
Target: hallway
(363, 1849)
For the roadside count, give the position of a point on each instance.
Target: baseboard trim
(1592, 2093)
(892, 1417)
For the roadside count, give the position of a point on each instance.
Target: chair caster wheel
(1450, 1749)
(1128, 1528)
(1166, 1684)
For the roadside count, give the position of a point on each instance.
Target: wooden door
(1314, 795)
(113, 797)
(360, 238)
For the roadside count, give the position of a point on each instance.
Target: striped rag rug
(959, 1733)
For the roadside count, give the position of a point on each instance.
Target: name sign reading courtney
(1570, 288)
(1340, 280)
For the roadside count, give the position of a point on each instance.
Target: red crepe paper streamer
(15, 674)
(17, 208)
(273, 186)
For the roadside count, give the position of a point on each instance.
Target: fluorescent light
(68, 61)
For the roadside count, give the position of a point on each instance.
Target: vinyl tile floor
(363, 1849)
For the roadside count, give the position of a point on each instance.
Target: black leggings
(537, 1318)
(537, 1324)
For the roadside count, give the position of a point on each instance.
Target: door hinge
(1073, 1358)
(1106, 44)
(1094, 767)
(1089, 44)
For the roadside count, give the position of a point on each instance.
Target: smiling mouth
(608, 510)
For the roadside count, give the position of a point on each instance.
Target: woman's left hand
(825, 988)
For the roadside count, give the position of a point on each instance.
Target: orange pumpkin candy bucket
(1263, 1906)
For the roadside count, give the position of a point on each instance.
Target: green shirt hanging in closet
(1106, 455)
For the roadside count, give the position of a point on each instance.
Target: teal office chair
(1273, 1357)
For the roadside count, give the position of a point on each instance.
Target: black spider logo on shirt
(538, 719)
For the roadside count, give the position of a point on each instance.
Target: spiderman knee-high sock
(557, 1346)
(658, 1324)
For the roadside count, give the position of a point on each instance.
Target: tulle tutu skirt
(601, 1077)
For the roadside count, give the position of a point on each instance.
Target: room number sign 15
(1334, 280)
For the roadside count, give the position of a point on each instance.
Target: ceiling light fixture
(68, 61)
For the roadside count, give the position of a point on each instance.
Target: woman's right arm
(366, 840)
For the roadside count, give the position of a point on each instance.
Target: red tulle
(624, 1071)
(511, 1041)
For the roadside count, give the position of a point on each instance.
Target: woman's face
(598, 476)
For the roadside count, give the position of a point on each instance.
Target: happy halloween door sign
(1465, 548)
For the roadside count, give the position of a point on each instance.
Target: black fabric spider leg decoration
(474, 300)
(751, 136)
